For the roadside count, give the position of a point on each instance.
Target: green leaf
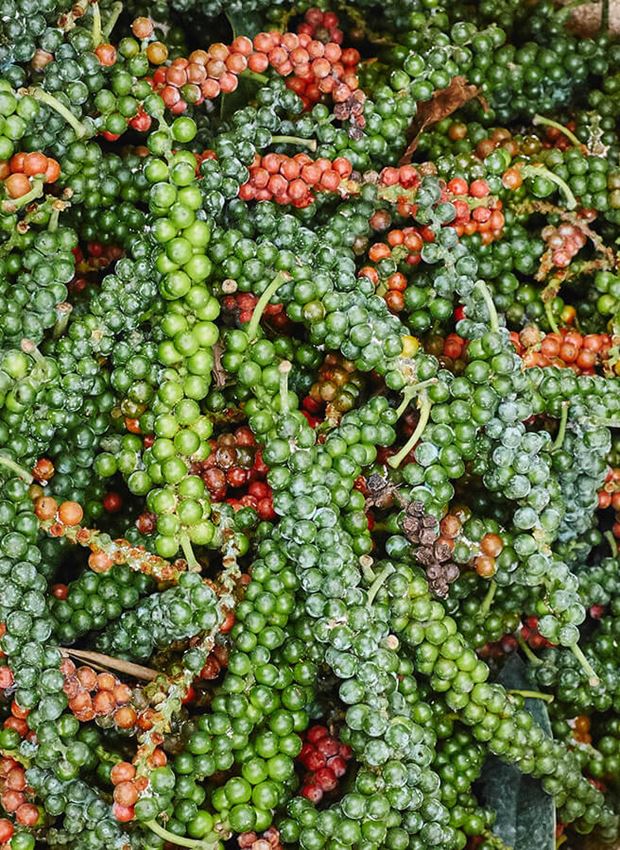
(525, 814)
(245, 23)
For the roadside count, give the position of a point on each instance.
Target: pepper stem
(527, 651)
(593, 679)
(549, 314)
(179, 840)
(541, 171)
(548, 122)
(265, 298)
(96, 34)
(613, 545)
(531, 694)
(488, 300)
(410, 391)
(16, 468)
(253, 75)
(425, 411)
(559, 440)
(61, 109)
(605, 17)
(115, 13)
(488, 599)
(192, 562)
(311, 144)
(63, 311)
(378, 582)
(11, 206)
(284, 368)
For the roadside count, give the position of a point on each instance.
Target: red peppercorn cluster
(563, 243)
(403, 246)
(293, 179)
(15, 797)
(241, 305)
(217, 660)
(529, 632)
(322, 26)
(568, 348)
(128, 785)
(325, 759)
(236, 462)
(315, 68)
(96, 258)
(18, 173)
(269, 840)
(91, 694)
(335, 390)
(486, 219)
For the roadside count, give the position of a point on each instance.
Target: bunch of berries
(325, 759)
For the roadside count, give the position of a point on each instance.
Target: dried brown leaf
(443, 103)
(585, 20)
(219, 373)
(107, 662)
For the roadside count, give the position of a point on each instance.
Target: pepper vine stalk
(549, 122)
(534, 171)
(53, 102)
(265, 298)
(311, 144)
(559, 440)
(11, 206)
(481, 286)
(425, 412)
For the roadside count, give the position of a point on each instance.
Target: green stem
(481, 286)
(410, 391)
(28, 347)
(311, 144)
(425, 411)
(559, 440)
(179, 840)
(16, 468)
(366, 563)
(52, 224)
(11, 206)
(115, 13)
(61, 109)
(612, 543)
(531, 694)
(284, 368)
(265, 298)
(63, 311)
(192, 562)
(96, 34)
(488, 599)
(527, 651)
(605, 17)
(253, 75)
(376, 585)
(548, 122)
(593, 679)
(550, 318)
(540, 171)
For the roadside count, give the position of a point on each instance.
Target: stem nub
(593, 679)
(192, 562)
